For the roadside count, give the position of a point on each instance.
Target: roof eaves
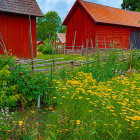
(41, 15)
(101, 22)
(87, 11)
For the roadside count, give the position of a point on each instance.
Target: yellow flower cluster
(117, 98)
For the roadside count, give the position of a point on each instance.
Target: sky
(62, 7)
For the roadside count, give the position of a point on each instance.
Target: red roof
(105, 14)
(62, 37)
(26, 7)
(39, 42)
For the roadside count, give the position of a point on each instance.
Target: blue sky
(62, 7)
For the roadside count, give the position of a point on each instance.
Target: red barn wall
(15, 32)
(120, 35)
(81, 22)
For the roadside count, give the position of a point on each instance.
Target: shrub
(46, 48)
(20, 88)
(40, 48)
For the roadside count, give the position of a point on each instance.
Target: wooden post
(97, 50)
(53, 57)
(3, 46)
(64, 48)
(31, 45)
(113, 45)
(92, 46)
(82, 48)
(122, 51)
(131, 59)
(72, 62)
(105, 47)
(87, 48)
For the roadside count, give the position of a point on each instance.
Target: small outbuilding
(38, 43)
(15, 26)
(60, 39)
(96, 25)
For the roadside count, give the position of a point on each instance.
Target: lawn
(65, 57)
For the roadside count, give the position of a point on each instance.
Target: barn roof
(26, 7)
(105, 14)
(62, 37)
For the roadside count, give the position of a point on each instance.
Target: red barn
(99, 26)
(15, 25)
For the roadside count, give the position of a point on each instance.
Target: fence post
(92, 48)
(131, 59)
(87, 48)
(82, 48)
(53, 58)
(64, 48)
(122, 51)
(31, 45)
(72, 62)
(3, 46)
(105, 47)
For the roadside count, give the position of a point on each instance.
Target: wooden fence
(41, 65)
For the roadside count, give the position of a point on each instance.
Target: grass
(86, 109)
(65, 57)
(91, 102)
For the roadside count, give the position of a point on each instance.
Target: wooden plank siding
(14, 29)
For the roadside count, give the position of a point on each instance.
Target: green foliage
(40, 48)
(46, 48)
(17, 126)
(133, 5)
(87, 110)
(48, 26)
(19, 87)
(136, 61)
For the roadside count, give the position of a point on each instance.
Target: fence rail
(41, 65)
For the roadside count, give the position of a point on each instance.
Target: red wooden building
(38, 43)
(61, 39)
(99, 26)
(15, 25)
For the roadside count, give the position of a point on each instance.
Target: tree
(48, 26)
(133, 5)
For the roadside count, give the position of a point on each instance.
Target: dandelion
(78, 121)
(90, 111)
(54, 97)
(80, 98)
(20, 123)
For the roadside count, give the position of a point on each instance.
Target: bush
(46, 48)
(40, 48)
(20, 88)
